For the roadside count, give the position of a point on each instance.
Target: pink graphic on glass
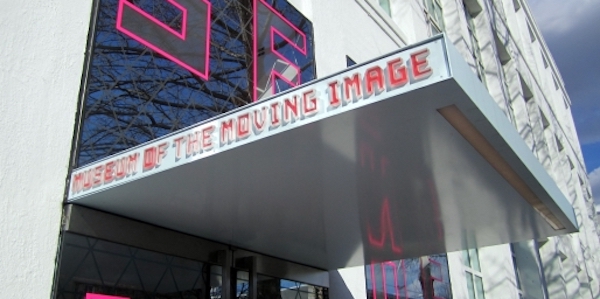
(189, 47)
(292, 79)
(272, 65)
(99, 296)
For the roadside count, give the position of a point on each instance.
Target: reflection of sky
(134, 95)
(570, 30)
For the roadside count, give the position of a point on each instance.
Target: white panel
(41, 54)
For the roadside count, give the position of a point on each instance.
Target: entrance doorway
(104, 256)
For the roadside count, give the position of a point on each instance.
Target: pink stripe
(98, 296)
(286, 21)
(255, 51)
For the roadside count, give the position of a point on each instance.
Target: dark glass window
(92, 266)
(349, 61)
(277, 288)
(425, 277)
(152, 69)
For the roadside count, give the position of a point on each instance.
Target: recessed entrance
(109, 257)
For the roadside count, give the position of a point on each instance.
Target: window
(349, 61)
(531, 33)
(555, 82)
(424, 277)
(385, 4)
(434, 15)
(90, 265)
(133, 93)
(473, 274)
(517, 272)
(559, 144)
(571, 165)
(527, 94)
(503, 54)
(517, 5)
(475, 49)
(563, 257)
(545, 122)
(544, 59)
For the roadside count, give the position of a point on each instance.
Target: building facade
(88, 82)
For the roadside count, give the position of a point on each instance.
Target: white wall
(348, 283)
(359, 29)
(42, 46)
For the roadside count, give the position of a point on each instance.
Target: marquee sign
(395, 74)
(406, 155)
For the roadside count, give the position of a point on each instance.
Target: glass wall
(276, 288)
(91, 268)
(157, 66)
(426, 277)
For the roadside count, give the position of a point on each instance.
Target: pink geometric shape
(274, 31)
(199, 70)
(384, 278)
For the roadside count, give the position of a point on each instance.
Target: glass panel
(479, 287)
(293, 290)
(242, 285)
(470, 287)
(439, 18)
(441, 276)
(474, 258)
(89, 265)
(275, 288)
(429, 6)
(349, 61)
(385, 4)
(425, 277)
(465, 258)
(143, 82)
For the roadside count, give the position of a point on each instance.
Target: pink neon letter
(384, 280)
(189, 48)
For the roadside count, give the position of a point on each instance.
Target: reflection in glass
(470, 285)
(471, 259)
(133, 94)
(89, 265)
(275, 288)
(474, 258)
(425, 277)
(479, 286)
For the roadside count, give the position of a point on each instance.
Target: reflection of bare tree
(425, 277)
(133, 95)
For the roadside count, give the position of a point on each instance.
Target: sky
(570, 30)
